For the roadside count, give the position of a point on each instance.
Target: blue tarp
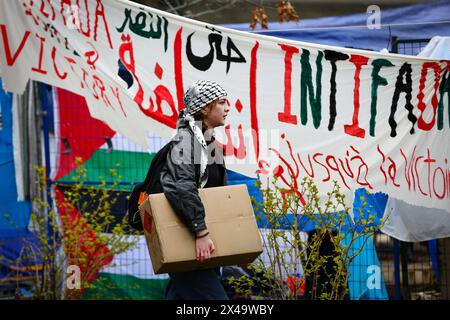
(14, 215)
(16, 259)
(419, 21)
(365, 280)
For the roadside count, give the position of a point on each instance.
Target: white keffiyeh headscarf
(199, 95)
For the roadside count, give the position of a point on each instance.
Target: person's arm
(180, 188)
(179, 184)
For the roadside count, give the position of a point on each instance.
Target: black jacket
(180, 178)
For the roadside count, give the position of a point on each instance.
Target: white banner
(365, 119)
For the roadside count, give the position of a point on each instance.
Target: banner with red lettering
(365, 119)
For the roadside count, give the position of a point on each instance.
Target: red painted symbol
(148, 222)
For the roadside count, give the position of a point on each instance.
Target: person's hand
(204, 246)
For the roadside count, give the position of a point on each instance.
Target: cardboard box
(229, 218)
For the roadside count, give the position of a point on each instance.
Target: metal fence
(420, 270)
(408, 46)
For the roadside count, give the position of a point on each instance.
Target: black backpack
(151, 185)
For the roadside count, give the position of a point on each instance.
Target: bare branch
(187, 4)
(198, 14)
(171, 8)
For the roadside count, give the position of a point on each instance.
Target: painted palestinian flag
(77, 135)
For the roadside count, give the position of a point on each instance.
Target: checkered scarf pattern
(200, 94)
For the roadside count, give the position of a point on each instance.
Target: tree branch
(198, 14)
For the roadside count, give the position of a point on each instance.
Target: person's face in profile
(215, 114)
